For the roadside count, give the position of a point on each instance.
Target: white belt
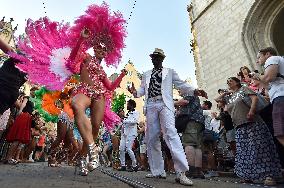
(154, 99)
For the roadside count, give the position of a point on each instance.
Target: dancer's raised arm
(84, 35)
(113, 85)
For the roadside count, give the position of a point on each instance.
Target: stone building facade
(227, 34)
(7, 32)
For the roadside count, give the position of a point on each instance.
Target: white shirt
(211, 124)
(277, 85)
(169, 78)
(215, 125)
(129, 124)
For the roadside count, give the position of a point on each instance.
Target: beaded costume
(64, 118)
(97, 74)
(54, 51)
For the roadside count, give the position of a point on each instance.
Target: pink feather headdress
(105, 29)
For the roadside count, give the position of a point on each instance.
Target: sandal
(11, 162)
(269, 181)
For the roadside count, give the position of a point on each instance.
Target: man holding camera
(273, 79)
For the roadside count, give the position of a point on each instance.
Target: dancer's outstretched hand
(124, 71)
(85, 33)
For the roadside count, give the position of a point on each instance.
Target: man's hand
(214, 114)
(181, 102)
(200, 92)
(250, 115)
(255, 76)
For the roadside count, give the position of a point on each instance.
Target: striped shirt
(155, 83)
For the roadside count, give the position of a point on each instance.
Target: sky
(154, 24)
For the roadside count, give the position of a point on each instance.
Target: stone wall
(7, 32)
(219, 51)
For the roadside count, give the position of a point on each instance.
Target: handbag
(261, 103)
(181, 122)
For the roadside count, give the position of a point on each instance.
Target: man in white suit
(128, 135)
(157, 86)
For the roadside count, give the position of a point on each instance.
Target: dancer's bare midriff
(85, 75)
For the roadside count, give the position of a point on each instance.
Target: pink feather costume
(54, 51)
(108, 30)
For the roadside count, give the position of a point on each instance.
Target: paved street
(38, 175)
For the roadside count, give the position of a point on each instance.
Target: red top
(41, 140)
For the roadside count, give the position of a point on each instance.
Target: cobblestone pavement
(38, 175)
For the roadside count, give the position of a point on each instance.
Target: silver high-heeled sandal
(82, 164)
(93, 157)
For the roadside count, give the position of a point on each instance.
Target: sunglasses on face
(157, 57)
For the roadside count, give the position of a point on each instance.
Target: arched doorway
(262, 28)
(278, 33)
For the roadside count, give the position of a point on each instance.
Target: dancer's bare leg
(84, 149)
(61, 133)
(97, 115)
(30, 148)
(115, 151)
(12, 150)
(79, 105)
(281, 140)
(115, 142)
(74, 145)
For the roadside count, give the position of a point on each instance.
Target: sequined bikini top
(96, 71)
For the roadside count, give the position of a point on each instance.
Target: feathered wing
(110, 118)
(46, 51)
(45, 103)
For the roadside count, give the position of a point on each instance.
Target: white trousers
(161, 118)
(126, 143)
